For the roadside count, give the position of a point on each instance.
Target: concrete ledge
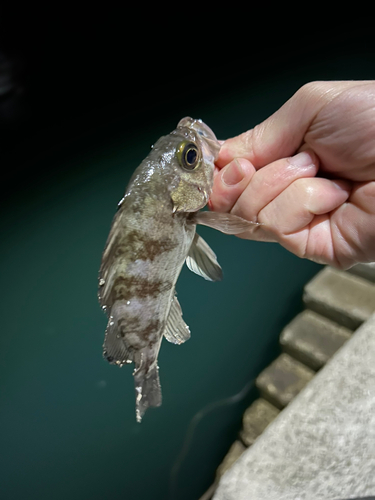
(313, 339)
(347, 299)
(282, 380)
(322, 445)
(234, 453)
(256, 418)
(366, 271)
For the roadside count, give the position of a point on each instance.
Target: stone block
(344, 298)
(235, 451)
(366, 271)
(322, 446)
(313, 339)
(282, 380)
(255, 419)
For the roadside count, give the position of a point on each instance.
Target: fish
(153, 234)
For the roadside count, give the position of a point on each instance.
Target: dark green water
(67, 418)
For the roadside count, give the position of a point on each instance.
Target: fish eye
(188, 155)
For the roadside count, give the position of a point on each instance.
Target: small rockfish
(152, 235)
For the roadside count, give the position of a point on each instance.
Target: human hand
(308, 174)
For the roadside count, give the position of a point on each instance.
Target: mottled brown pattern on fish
(133, 324)
(146, 248)
(129, 324)
(144, 335)
(141, 205)
(151, 330)
(137, 245)
(128, 287)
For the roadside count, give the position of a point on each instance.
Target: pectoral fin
(176, 330)
(226, 223)
(202, 260)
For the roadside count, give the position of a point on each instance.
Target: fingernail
(233, 173)
(342, 185)
(303, 159)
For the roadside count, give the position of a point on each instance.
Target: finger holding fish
(229, 183)
(295, 207)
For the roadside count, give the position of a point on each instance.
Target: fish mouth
(205, 133)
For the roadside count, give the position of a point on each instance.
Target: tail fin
(146, 373)
(115, 349)
(147, 390)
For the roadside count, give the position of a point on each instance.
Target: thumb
(282, 134)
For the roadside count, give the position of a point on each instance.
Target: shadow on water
(67, 417)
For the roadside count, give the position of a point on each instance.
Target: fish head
(196, 152)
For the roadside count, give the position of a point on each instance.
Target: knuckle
(257, 135)
(247, 140)
(304, 189)
(311, 89)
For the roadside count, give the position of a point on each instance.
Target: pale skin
(307, 173)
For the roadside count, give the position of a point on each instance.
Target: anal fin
(176, 330)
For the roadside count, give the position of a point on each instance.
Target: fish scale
(153, 233)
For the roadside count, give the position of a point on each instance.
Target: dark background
(83, 95)
(66, 73)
